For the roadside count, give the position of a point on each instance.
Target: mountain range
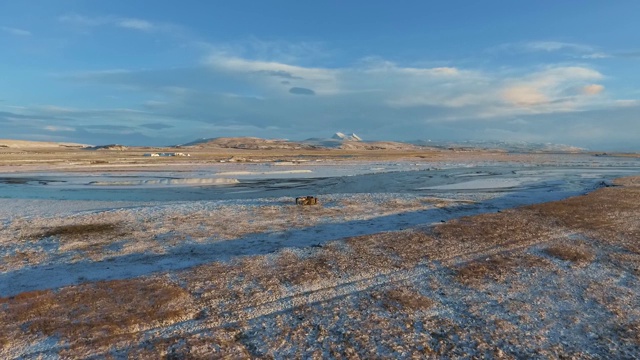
(338, 141)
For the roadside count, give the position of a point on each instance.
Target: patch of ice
(192, 181)
(238, 173)
(483, 184)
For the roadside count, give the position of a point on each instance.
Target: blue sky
(168, 72)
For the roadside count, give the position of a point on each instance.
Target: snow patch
(236, 173)
(343, 137)
(483, 184)
(165, 182)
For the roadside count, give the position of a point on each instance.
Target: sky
(169, 72)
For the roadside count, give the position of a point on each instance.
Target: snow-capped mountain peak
(343, 137)
(339, 136)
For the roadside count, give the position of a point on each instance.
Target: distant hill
(510, 146)
(378, 145)
(337, 141)
(354, 142)
(249, 143)
(24, 144)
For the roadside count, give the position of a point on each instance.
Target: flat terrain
(427, 270)
(80, 159)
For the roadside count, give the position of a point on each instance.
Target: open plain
(411, 253)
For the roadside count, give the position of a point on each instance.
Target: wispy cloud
(575, 50)
(136, 24)
(54, 128)
(597, 55)
(77, 19)
(552, 89)
(592, 89)
(550, 46)
(15, 31)
(231, 90)
(120, 22)
(627, 102)
(275, 89)
(270, 50)
(157, 126)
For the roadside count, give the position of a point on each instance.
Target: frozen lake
(517, 183)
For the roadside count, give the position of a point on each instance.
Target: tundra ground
(558, 279)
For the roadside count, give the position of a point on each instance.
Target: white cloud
(268, 51)
(228, 93)
(550, 46)
(237, 64)
(492, 95)
(120, 22)
(16, 31)
(627, 103)
(573, 50)
(551, 90)
(524, 95)
(58, 128)
(592, 89)
(136, 24)
(53, 109)
(271, 74)
(77, 19)
(597, 55)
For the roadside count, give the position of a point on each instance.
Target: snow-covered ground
(175, 220)
(193, 239)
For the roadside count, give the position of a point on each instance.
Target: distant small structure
(306, 200)
(166, 154)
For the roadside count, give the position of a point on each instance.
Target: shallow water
(247, 181)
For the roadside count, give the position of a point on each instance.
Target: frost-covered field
(217, 259)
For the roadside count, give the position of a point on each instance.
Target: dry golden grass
(628, 261)
(479, 233)
(608, 214)
(570, 252)
(379, 321)
(496, 268)
(77, 230)
(629, 181)
(84, 236)
(296, 270)
(95, 314)
(83, 160)
(405, 298)
(393, 250)
(325, 264)
(223, 343)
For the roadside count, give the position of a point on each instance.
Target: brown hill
(24, 144)
(248, 143)
(377, 145)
